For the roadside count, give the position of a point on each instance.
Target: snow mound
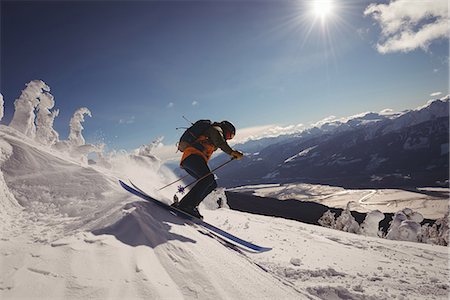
(8, 204)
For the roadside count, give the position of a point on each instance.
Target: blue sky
(140, 66)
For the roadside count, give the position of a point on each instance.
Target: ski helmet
(228, 129)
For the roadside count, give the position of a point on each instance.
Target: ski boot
(193, 211)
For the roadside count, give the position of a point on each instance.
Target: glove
(237, 154)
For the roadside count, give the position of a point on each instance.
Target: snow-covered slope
(68, 231)
(49, 252)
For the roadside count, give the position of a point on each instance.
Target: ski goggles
(229, 135)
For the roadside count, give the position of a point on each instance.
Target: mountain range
(385, 149)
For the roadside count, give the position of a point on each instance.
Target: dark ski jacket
(208, 142)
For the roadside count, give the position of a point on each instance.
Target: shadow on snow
(146, 225)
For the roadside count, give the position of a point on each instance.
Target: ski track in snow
(48, 249)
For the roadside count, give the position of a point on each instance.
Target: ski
(213, 229)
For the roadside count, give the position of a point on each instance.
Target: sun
(322, 8)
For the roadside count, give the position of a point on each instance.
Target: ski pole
(182, 188)
(174, 182)
(167, 185)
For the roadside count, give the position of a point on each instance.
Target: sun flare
(322, 8)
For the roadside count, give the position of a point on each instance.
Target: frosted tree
(413, 215)
(346, 222)
(438, 233)
(405, 226)
(1, 106)
(428, 233)
(45, 133)
(444, 231)
(328, 219)
(393, 231)
(76, 146)
(75, 136)
(23, 119)
(409, 231)
(370, 226)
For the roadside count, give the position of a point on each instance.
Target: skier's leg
(197, 167)
(210, 185)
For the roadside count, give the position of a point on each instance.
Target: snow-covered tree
(346, 222)
(75, 136)
(413, 215)
(328, 219)
(437, 234)
(405, 226)
(370, 226)
(444, 231)
(23, 119)
(1, 106)
(393, 231)
(76, 146)
(45, 133)
(409, 231)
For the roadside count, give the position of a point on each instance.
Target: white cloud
(130, 120)
(170, 105)
(259, 132)
(387, 111)
(407, 25)
(194, 103)
(435, 94)
(324, 121)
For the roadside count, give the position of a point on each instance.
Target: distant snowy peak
(332, 124)
(435, 108)
(435, 102)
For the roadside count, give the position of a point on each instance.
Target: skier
(195, 161)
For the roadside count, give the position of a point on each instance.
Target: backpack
(193, 133)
